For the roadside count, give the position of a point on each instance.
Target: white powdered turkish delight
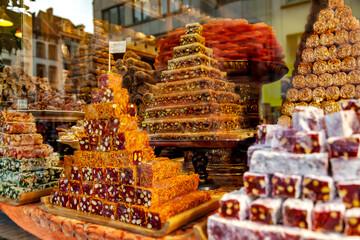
(328, 216)
(235, 204)
(352, 222)
(348, 147)
(284, 139)
(308, 119)
(271, 162)
(266, 210)
(297, 213)
(257, 184)
(344, 169)
(284, 185)
(318, 188)
(310, 142)
(349, 192)
(342, 124)
(265, 133)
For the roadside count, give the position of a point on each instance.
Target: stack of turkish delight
(115, 174)
(195, 102)
(303, 183)
(26, 164)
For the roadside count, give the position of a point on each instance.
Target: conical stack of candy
(26, 164)
(329, 66)
(195, 102)
(116, 175)
(291, 192)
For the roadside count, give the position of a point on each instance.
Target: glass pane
(164, 7)
(114, 16)
(128, 15)
(106, 15)
(186, 3)
(137, 12)
(122, 15)
(174, 6)
(146, 10)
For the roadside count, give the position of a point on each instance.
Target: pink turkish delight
(75, 173)
(284, 140)
(351, 104)
(265, 133)
(257, 184)
(318, 188)
(266, 210)
(349, 192)
(307, 119)
(286, 185)
(73, 202)
(297, 213)
(235, 204)
(345, 169)
(328, 216)
(310, 142)
(342, 124)
(352, 222)
(348, 147)
(114, 193)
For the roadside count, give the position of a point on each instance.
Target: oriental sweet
(266, 210)
(235, 205)
(318, 188)
(297, 213)
(286, 185)
(328, 217)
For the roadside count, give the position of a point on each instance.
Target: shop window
(164, 7)
(40, 70)
(40, 49)
(52, 52)
(6, 62)
(52, 74)
(114, 15)
(175, 6)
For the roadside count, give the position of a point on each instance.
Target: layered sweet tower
(115, 174)
(26, 164)
(195, 102)
(303, 182)
(328, 65)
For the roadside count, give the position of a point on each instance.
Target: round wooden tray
(262, 72)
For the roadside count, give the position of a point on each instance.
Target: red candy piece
(113, 193)
(94, 142)
(64, 199)
(87, 174)
(75, 173)
(98, 174)
(257, 184)
(297, 213)
(128, 194)
(328, 217)
(100, 190)
(138, 217)
(111, 175)
(123, 212)
(127, 175)
(118, 142)
(143, 197)
(64, 185)
(286, 185)
(73, 202)
(309, 142)
(87, 188)
(75, 187)
(318, 188)
(84, 144)
(96, 206)
(109, 210)
(85, 204)
(105, 143)
(344, 147)
(349, 191)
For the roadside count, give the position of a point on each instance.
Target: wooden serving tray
(27, 197)
(169, 226)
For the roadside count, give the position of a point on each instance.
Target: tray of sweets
(170, 225)
(28, 197)
(56, 115)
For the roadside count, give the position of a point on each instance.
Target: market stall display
(326, 68)
(27, 165)
(312, 196)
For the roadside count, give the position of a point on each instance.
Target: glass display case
(134, 114)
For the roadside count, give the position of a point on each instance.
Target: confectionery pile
(327, 71)
(194, 100)
(303, 181)
(26, 164)
(229, 39)
(115, 173)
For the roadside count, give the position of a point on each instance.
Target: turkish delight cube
(75, 187)
(352, 222)
(310, 142)
(109, 210)
(19, 127)
(73, 202)
(138, 216)
(99, 127)
(105, 143)
(84, 144)
(64, 185)
(100, 190)
(266, 210)
(114, 193)
(96, 206)
(345, 169)
(128, 194)
(342, 124)
(347, 147)
(235, 204)
(75, 173)
(265, 133)
(55, 197)
(64, 199)
(318, 188)
(328, 216)
(110, 80)
(148, 173)
(123, 212)
(127, 175)
(118, 142)
(98, 174)
(87, 174)
(350, 104)
(137, 157)
(85, 204)
(111, 175)
(349, 192)
(297, 213)
(307, 119)
(96, 95)
(286, 185)
(192, 28)
(88, 188)
(88, 127)
(257, 184)
(94, 142)
(284, 139)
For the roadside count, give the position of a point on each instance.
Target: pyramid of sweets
(303, 183)
(330, 62)
(115, 174)
(194, 101)
(26, 164)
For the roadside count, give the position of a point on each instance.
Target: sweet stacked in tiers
(26, 164)
(115, 174)
(195, 102)
(328, 69)
(290, 181)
